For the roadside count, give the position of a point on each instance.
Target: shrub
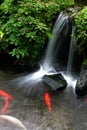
(81, 24)
(26, 25)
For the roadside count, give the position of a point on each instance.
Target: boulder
(55, 81)
(81, 87)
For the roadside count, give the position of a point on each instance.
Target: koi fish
(47, 101)
(6, 97)
(13, 120)
(5, 108)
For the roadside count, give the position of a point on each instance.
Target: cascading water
(54, 44)
(69, 74)
(71, 51)
(52, 59)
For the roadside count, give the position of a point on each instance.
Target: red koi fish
(47, 101)
(6, 97)
(5, 108)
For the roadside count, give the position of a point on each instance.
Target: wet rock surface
(55, 82)
(68, 111)
(81, 87)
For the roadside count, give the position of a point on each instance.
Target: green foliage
(81, 23)
(85, 62)
(65, 3)
(1, 35)
(27, 24)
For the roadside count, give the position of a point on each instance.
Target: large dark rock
(55, 82)
(81, 87)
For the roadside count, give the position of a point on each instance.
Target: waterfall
(59, 53)
(55, 43)
(69, 74)
(71, 51)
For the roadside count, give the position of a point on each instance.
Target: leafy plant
(1, 35)
(27, 24)
(81, 24)
(85, 62)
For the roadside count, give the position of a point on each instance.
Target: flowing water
(71, 51)
(54, 43)
(51, 60)
(69, 75)
(68, 111)
(27, 82)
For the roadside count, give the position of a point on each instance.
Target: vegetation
(81, 23)
(25, 25)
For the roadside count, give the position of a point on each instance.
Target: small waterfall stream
(54, 44)
(69, 74)
(71, 51)
(59, 53)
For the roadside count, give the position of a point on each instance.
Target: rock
(55, 82)
(81, 87)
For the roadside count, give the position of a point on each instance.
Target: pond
(69, 112)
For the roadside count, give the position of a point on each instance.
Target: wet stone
(55, 82)
(81, 87)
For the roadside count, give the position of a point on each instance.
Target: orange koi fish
(47, 101)
(5, 108)
(6, 97)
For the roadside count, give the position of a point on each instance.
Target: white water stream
(47, 66)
